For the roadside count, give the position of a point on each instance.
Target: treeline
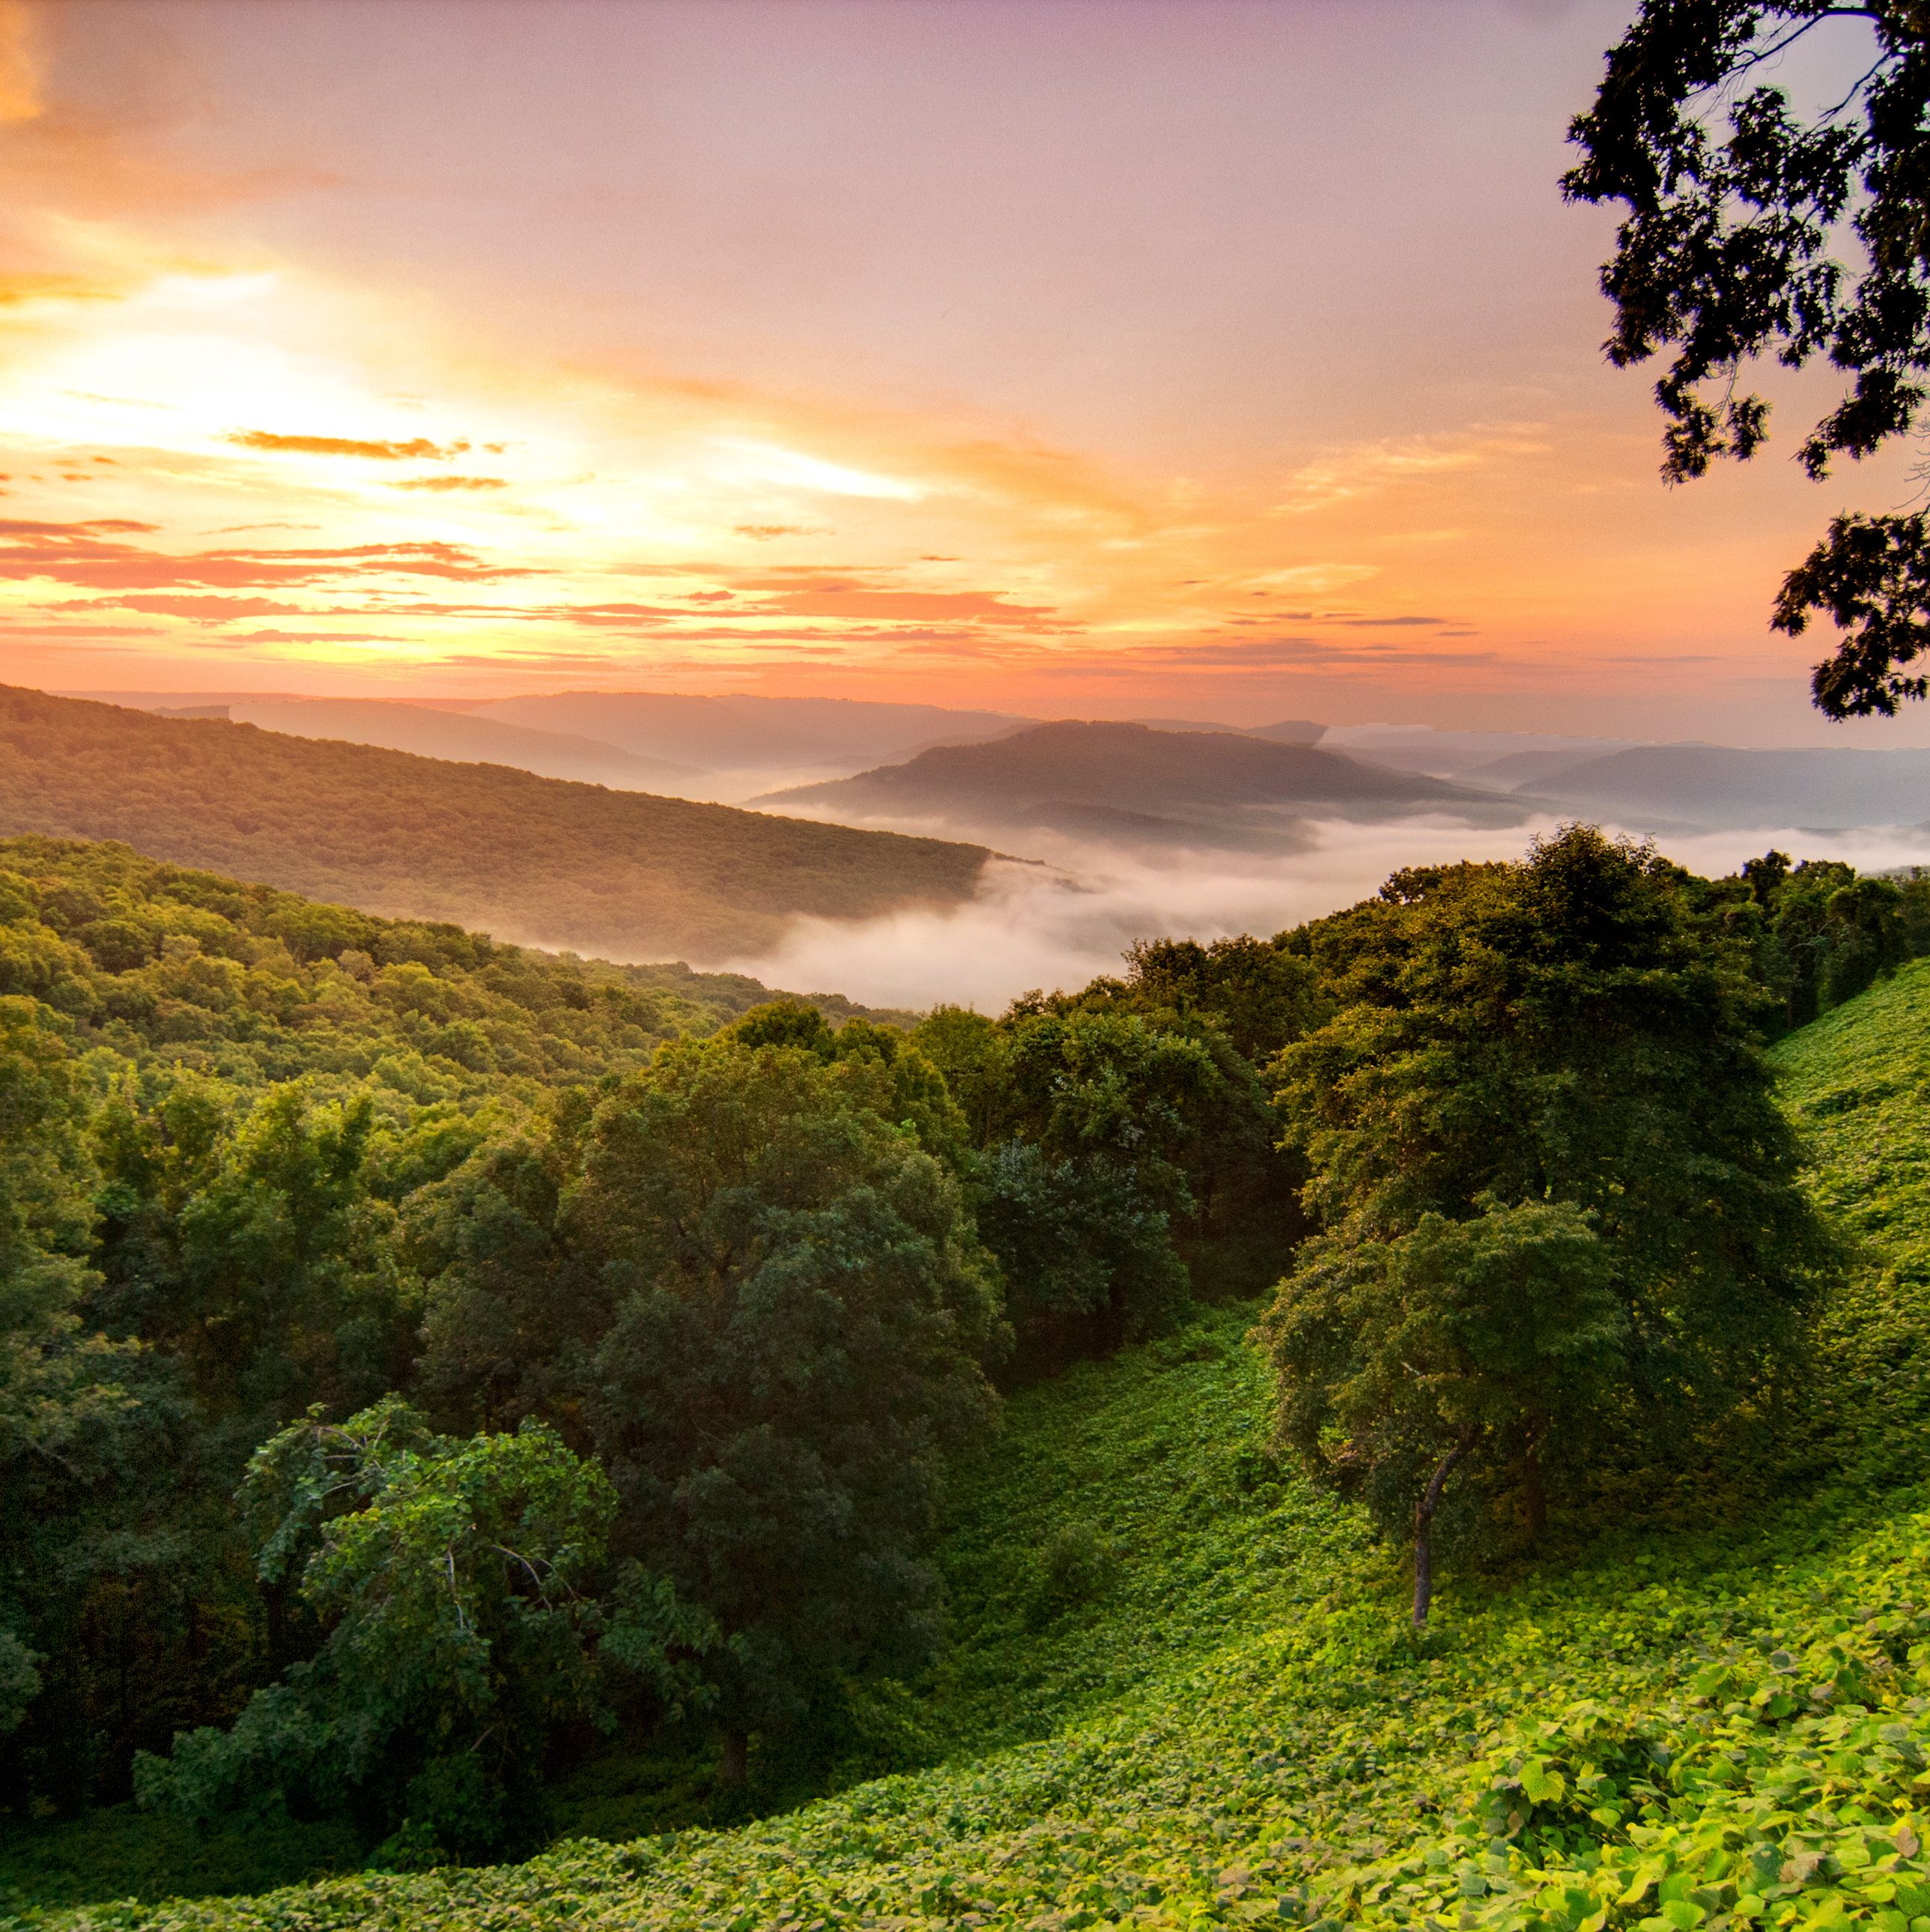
(422, 1362)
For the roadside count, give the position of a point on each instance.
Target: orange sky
(1229, 361)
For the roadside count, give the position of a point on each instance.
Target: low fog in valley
(1058, 923)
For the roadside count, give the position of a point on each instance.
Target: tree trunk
(734, 1764)
(1534, 1496)
(1429, 1502)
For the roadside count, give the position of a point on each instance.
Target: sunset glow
(1218, 360)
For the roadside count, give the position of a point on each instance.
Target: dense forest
(427, 1368)
(536, 859)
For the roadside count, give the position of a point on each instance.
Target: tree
(452, 1579)
(1558, 1197)
(63, 1397)
(1098, 1109)
(761, 1300)
(1415, 1353)
(1263, 994)
(1738, 211)
(1125, 1143)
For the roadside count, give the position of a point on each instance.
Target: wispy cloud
(453, 483)
(1365, 469)
(415, 449)
(82, 555)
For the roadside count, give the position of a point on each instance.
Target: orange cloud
(453, 483)
(841, 602)
(415, 450)
(80, 555)
(222, 609)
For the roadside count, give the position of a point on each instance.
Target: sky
(1225, 359)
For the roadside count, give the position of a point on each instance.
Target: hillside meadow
(1180, 1690)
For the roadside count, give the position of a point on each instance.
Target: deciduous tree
(1756, 228)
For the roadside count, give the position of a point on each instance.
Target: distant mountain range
(466, 739)
(1665, 788)
(1473, 756)
(753, 739)
(1131, 784)
(1719, 787)
(534, 860)
(800, 752)
(719, 748)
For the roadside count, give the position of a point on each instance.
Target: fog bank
(1058, 924)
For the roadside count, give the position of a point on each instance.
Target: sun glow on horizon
(245, 443)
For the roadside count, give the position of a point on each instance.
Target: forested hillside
(1713, 1716)
(412, 1480)
(290, 1191)
(536, 860)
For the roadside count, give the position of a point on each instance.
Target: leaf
(1645, 1874)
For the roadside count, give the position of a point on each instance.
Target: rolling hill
(433, 733)
(1479, 757)
(739, 732)
(534, 860)
(1707, 1717)
(1133, 783)
(1721, 787)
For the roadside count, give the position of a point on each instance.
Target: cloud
(311, 637)
(598, 615)
(78, 554)
(454, 483)
(1364, 469)
(1314, 576)
(1269, 652)
(17, 635)
(95, 526)
(161, 604)
(1061, 923)
(988, 605)
(748, 461)
(416, 449)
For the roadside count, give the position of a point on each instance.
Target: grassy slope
(531, 860)
(1718, 1729)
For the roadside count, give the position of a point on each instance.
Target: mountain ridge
(536, 861)
(1098, 778)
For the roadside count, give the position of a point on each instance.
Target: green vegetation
(538, 860)
(1180, 1688)
(427, 1371)
(1684, 1727)
(1560, 1206)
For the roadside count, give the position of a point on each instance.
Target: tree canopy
(1756, 228)
(1556, 1197)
